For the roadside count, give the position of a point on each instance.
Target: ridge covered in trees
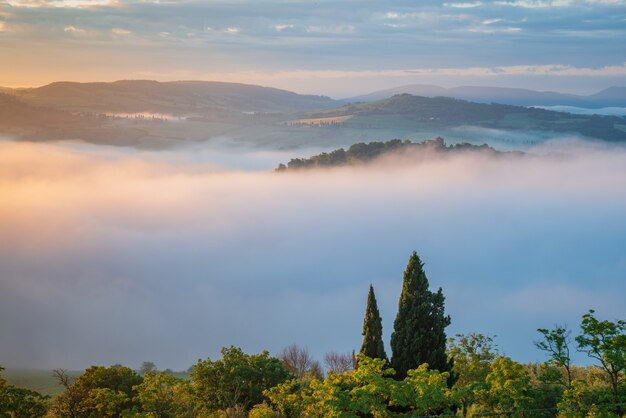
(361, 153)
(430, 376)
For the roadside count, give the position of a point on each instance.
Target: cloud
(548, 4)
(73, 29)
(120, 31)
(332, 30)
(467, 5)
(232, 30)
(62, 3)
(116, 256)
(282, 27)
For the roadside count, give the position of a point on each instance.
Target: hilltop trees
(373, 345)
(419, 328)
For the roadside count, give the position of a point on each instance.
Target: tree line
(427, 375)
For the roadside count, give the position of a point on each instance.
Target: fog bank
(115, 258)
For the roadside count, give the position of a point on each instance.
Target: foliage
(605, 341)
(237, 380)
(472, 355)
(369, 390)
(555, 344)
(373, 345)
(20, 403)
(582, 400)
(100, 391)
(507, 390)
(161, 395)
(147, 366)
(419, 328)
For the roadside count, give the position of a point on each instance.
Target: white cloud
(282, 27)
(495, 30)
(491, 21)
(341, 29)
(464, 5)
(232, 31)
(73, 29)
(120, 31)
(545, 4)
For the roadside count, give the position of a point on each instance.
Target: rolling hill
(183, 98)
(440, 113)
(610, 97)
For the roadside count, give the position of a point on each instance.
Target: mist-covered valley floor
(117, 255)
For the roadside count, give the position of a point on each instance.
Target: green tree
(99, 391)
(20, 403)
(605, 341)
(555, 344)
(508, 389)
(472, 355)
(161, 395)
(419, 328)
(373, 345)
(235, 382)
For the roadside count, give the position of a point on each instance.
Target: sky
(336, 48)
(114, 256)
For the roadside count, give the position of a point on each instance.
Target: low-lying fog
(124, 256)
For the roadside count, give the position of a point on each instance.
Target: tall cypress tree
(373, 345)
(419, 329)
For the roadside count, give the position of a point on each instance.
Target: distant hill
(362, 153)
(439, 113)
(185, 98)
(611, 97)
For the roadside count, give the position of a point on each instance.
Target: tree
(556, 344)
(605, 341)
(340, 362)
(99, 391)
(373, 345)
(300, 363)
(19, 402)
(508, 389)
(235, 382)
(472, 354)
(419, 328)
(147, 366)
(161, 395)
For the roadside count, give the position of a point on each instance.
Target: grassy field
(43, 381)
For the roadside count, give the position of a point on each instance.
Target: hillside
(611, 97)
(440, 113)
(184, 98)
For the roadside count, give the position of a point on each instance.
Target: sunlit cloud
(73, 29)
(491, 21)
(232, 30)
(120, 31)
(62, 3)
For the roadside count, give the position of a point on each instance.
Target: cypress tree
(373, 345)
(419, 328)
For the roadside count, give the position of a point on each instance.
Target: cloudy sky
(339, 48)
